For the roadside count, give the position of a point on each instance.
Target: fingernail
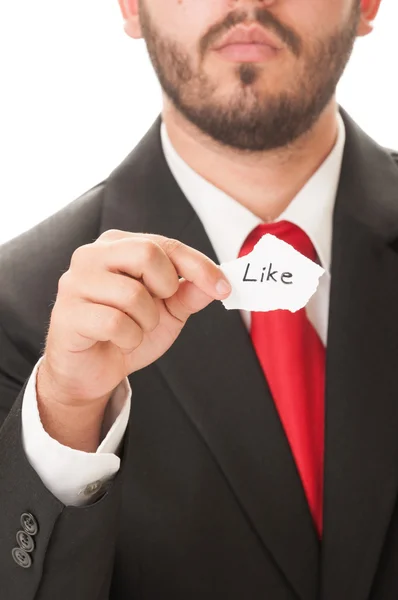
(223, 287)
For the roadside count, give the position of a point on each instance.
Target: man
(230, 474)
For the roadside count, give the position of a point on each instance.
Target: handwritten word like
(270, 276)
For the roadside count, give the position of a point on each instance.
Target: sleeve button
(29, 523)
(25, 541)
(92, 488)
(21, 558)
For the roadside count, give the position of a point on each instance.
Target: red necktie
(292, 357)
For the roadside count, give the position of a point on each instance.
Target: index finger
(194, 266)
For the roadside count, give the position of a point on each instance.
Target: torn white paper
(273, 276)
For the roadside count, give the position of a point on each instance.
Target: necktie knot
(284, 230)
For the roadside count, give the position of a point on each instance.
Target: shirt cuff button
(91, 488)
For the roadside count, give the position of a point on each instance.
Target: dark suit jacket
(208, 503)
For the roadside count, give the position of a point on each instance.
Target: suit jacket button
(29, 523)
(21, 557)
(25, 541)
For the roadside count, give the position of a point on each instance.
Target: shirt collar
(228, 223)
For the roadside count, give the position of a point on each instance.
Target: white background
(77, 94)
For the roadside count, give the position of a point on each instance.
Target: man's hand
(119, 307)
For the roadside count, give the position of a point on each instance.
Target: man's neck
(265, 183)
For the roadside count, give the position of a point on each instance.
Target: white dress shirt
(77, 477)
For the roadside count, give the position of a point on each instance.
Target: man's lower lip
(248, 52)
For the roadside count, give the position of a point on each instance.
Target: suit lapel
(361, 456)
(215, 376)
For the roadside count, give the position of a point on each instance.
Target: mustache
(262, 17)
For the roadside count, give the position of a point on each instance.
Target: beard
(250, 119)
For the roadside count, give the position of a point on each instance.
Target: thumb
(187, 300)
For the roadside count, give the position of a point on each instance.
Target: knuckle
(131, 293)
(64, 282)
(79, 256)
(170, 245)
(150, 251)
(202, 269)
(113, 321)
(111, 234)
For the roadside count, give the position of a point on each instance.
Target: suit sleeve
(60, 551)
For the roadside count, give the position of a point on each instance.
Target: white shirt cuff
(74, 477)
